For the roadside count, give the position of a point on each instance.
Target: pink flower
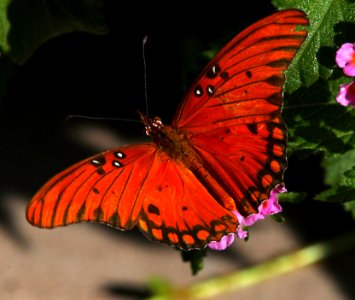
(345, 58)
(223, 243)
(271, 206)
(267, 207)
(346, 95)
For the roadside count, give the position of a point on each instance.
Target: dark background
(102, 76)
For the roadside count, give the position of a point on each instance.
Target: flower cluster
(267, 207)
(345, 59)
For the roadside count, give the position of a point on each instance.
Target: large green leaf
(315, 60)
(316, 122)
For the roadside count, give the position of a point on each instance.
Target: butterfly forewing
(243, 83)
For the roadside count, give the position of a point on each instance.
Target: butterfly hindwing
(179, 210)
(247, 160)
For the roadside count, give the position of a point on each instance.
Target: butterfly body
(178, 146)
(224, 152)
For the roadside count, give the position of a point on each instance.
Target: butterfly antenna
(67, 118)
(145, 73)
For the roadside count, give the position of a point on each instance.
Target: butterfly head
(152, 125)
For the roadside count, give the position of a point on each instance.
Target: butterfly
(224, 151)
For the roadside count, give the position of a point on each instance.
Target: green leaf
(343, 189)
(339, 194)
(316, 56)
(26, 24)
(278, 218)
(336, 166)
(292, 197)
(4, 26)
(340, 176)
(350, 206)
(350, 174)
(195, 258)
(315, 120)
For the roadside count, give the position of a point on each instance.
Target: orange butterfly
(218, 162)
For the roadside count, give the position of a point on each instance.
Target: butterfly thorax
(171, 140)
(167, 138)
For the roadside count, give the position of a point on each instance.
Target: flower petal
(349, 69)
(241, 233)
(267, 207)
(346, 94)
(223, 243)
(346, 56)
(271, 206)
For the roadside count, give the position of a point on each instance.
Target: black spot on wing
(213, 72)
(252, 128)
(98, 161)
(275, 98)
(224, 75)
(279, 63)
(153, 209)
(276, 80)
(100, 171)
(210, 90)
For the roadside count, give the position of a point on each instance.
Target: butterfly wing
(247, 161)
(134, 185)
(179, 210)
(103, 188)
(232, 113)
(243, 83)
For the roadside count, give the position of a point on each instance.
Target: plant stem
(272, 268)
